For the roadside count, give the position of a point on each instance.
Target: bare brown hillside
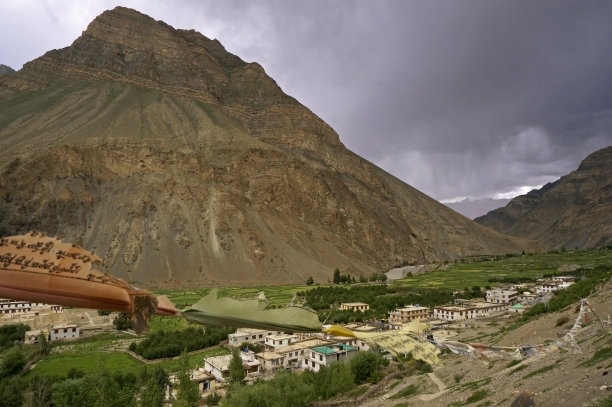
(179, 163)
(574, 211)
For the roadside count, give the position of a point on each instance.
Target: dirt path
(441, 388)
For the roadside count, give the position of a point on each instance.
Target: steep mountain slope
(474, 208)
(177, 162)
(5, 69)
(574, 211)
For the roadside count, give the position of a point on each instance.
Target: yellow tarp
(398, 342)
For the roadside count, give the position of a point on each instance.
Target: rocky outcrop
(5, 69)
(574, 211)
(177, 162)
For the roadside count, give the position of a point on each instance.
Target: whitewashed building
(257, 336)
(499, 296)
(409, 313)
(218, 366)
(471, 311)
(273, 342)
(20, 307)
(354, 306)
(326, 355)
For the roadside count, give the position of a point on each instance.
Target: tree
(123, 322)
(38, 393)
(364, 365)
(12, 363)
(187, 394)
(382, 277)
(11, 393)
(310, 281)
(236, 368)
(43, 343)
(337, 276)
(255, 348)
(363, 279)
(11, 333)
(213, 399)
(152, 395)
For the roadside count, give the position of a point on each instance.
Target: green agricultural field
(276, 295)
(470, 272)
(58, 364)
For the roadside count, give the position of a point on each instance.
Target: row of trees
(9, 334)
(163, 344)
(381, 299)
(293, 390)
(108, 389)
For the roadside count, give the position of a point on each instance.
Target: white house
(563, 279)
(59, 332)
(325, 355)
(250, 335)
(499, 296)
(205, 381)
(218, 366)
(56, 333)
(471, 311)
(273, 342)
(409, 313)
(19, 307)
(355, 306)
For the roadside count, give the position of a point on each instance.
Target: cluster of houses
(54, 321)
(296, 352)
(313, 351)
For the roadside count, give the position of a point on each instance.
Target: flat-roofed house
(218, 366)
(206, 383)
(355, 306)
(499, 296)
(326, 355)
(274, 342)
(250, 335)
(409, 313)
(471, 311)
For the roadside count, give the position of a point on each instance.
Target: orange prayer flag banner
(39, 268)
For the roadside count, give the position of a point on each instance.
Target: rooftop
(353, 304)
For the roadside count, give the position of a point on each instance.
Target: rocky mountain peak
(179, 163)
(4, 69)
(573, 211)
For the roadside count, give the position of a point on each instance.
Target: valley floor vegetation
(97, 371)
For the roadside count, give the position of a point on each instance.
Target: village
(264, 352)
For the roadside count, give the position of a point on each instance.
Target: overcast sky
(457, 98)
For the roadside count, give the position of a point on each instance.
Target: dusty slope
(178, 162)
(573, 380)
(575, 211)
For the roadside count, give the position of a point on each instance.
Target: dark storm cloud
(457, 98)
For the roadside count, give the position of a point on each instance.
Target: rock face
(574, 211)
(5, 69)
(177, 162)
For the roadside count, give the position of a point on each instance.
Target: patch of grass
(476, 384)
(477, 396)
(92, 362)
(404, 404)
(599, 356)
(514, 363)
(408, 391)
(541, 370)
(607, 402)
(196, 360)
(393, 385)
(518, 369)
(357, 391)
